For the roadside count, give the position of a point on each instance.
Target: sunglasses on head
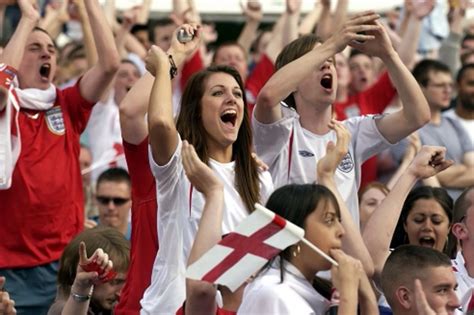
(116, 200)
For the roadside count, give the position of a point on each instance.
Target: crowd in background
(130, 146)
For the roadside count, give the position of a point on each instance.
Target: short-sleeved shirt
(292, 152)
(465, 284)
(267, 294)
(180, 208)
(44, 208)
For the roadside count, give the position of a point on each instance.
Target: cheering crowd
(132, 148)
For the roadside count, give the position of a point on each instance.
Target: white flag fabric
(257, 239)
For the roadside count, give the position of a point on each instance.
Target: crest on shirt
(55, 121)
(305, 153)
(347, 163)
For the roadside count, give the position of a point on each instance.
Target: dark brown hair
(293, 51)
(191, 128)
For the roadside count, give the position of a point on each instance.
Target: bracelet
(173, 68)
(80, 298)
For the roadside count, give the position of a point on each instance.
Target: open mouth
(45, 70)
(326, 81)
(229, 117)
(427, 241)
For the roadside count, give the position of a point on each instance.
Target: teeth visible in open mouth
(45, 69)
(326, 81)
(229, 116)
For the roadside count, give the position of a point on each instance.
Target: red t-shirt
(144, 236)
(374, 100)
(262, 72)
(44, 208)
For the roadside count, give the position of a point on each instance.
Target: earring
(297, 251)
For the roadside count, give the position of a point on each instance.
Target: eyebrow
(222, 86)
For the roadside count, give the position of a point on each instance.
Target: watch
(80, 298)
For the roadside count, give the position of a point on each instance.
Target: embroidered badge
(305, 153)
(55, 120)
(347, 164)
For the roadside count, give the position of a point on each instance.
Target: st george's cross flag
(258, 238)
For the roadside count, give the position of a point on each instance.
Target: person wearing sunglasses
(113, 199)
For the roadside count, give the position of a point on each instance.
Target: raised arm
(285, 29)
(309, 21)
(13, 53)
(161, 125)
(459, 175)
(381, 225)
(84, 281)
(253, 15)
(410, 39)
(201, 295)
(54, 18)
(135, 104)
(415, 112)
(352, 241)
(286, 79)
(96, 79)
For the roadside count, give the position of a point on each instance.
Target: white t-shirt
(105, 137)
(468, 124)
(465, 282)
(266, 294)
(298, 165)
(179, 211)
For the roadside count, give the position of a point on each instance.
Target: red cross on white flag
(257, 239)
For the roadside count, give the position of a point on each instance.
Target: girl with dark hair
(426, 219)
(286, 286)
(214, 119)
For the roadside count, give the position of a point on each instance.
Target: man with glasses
(113, 196)
(436, 83)
(463, 264)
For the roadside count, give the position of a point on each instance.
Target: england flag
(257, 239)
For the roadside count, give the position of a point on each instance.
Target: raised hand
(429, 162)
(90, 271)
(380, 47)
(360, 28)
(7, 305)
(29, 9)
(156, 59)
(328, 164)
(186, 48)
(252, 11)
(199, 174)
(421, 8)
(293, 6)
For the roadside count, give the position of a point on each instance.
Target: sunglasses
(118, 201)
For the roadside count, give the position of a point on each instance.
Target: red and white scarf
(10, 140)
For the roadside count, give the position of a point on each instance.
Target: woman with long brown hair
(214, 119)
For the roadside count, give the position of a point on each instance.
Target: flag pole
(320, 252)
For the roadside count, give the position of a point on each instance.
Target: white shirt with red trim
(180, 208)
(292, 152)
(465, 284)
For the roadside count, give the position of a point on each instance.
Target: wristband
(81, 298)
(173, 68)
